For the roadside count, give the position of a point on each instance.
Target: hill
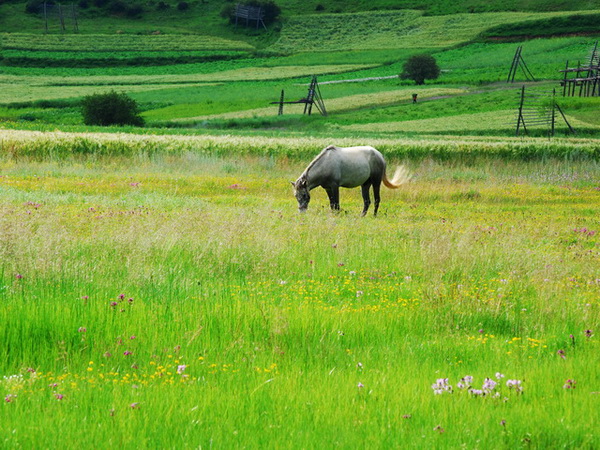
(204, 16)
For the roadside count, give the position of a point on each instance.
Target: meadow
(159, 288)
(175, 296)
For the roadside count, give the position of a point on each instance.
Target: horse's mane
(314, 161)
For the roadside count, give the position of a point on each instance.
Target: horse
(347, 167)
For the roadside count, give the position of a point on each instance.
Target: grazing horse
(346, 167)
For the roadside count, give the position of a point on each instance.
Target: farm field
(160, 289)
(356, 87)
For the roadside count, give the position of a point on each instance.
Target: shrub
(183, 6)
(111, 108)
(162, 6)
(420, 68)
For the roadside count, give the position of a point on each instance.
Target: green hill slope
(204, 16)
(393, 29)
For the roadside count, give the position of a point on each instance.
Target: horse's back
(359, 164)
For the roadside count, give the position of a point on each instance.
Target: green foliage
(270, 9)
(111, 108)
(36, 6)
(420, 68)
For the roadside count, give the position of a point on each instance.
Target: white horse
(348, 167)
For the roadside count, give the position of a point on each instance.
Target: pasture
(159, 288)
(175, 296)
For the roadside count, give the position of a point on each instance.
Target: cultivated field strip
(118, 42)
(341, 104)
(493, 120)
(49, 145)
(243, 74)
(25, 93)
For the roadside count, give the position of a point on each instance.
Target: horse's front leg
(366, 197)
(333, 192)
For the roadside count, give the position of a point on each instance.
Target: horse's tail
(401, 176)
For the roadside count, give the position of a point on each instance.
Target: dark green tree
(420, 68)
(270, 9)
(110, 108)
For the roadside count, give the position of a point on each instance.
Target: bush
(162, 6)
(111, 108)
(183, 6)
(420, 68)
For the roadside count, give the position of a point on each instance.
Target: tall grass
(36, 145)
(182, 300)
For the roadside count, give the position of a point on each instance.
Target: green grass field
(154, 300)
(159, 288)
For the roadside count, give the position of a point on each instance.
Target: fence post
(553, 112)
(280, 112)
(521, 111)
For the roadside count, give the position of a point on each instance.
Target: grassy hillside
(203, 16)
(434, 7)
(397, 29)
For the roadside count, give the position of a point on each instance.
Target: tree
(270, 9)
(420, 68)
(111, 108)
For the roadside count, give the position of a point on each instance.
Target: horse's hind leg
(366, 197)
(376, 189)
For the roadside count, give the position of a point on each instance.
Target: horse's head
(301, 193)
